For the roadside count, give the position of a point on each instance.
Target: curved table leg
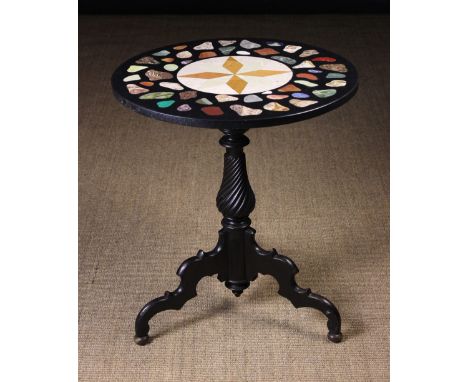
(283, 270)
(191, 271)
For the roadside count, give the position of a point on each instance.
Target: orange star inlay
(232, 65)
(207, 75)
(235, 82)
(263, 73)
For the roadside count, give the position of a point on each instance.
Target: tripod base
(237, 259)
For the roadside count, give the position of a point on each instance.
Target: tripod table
(235, 84)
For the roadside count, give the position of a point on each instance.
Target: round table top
(234, 82)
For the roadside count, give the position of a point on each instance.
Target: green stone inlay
(226, 49)
(170, 67)
(135, 68)
(157, 95)
(161, 53)
(336, 75)
(286, 60)
(164, 104)
(324, 93)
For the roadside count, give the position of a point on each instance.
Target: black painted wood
(237, 258)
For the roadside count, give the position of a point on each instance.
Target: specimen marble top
(234, 82)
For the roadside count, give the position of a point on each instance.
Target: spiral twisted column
(235, 199)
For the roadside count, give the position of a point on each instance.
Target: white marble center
(234, 75)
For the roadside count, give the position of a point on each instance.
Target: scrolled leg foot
(283, 270)
(335, 337)
(190, 272)
(142, 341)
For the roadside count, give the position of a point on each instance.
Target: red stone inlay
(207, 54)
(168, 59)
(308, 76)
(324, 59)
(147, 83)
(212, 110)
(266, 51)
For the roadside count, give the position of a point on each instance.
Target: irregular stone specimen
(135, 89)
(212, 110)
(305, 64)
(184, 54)
(246, 44)
(252, 98)
(308, 52)
(335, 67)
(207, 54)
(307, 75)
(324, 93)
(161, 53)
(286, 60)
(204, 101)
(180, 47)
(135, 68)
(266, 51)
(184, 107)
(277, 96)
(133, 77)
(168, 59)
(156, 75)
(170, 67)
(292, 48)
(226, 49)
(300, 95)
(204, 46)
(336, 75)
(270, 43)
(306, 83)
(336, 83)
(314, 71)
(188, 94)
(157, 95)
(324, 59)
(185, 62)
(244, 111)
(171, 85)
(275, 106)
(243, 53)
(147, 60)
(289, 88)
(225, 98)
(226, 42)
(301, 103)
(147, 83)
(164, 104)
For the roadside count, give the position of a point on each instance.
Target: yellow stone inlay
(207, 75)
(237, 83)
(232, 65)
(262, 73)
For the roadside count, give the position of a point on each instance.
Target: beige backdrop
(147, 202)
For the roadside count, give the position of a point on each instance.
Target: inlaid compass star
(235, 79)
